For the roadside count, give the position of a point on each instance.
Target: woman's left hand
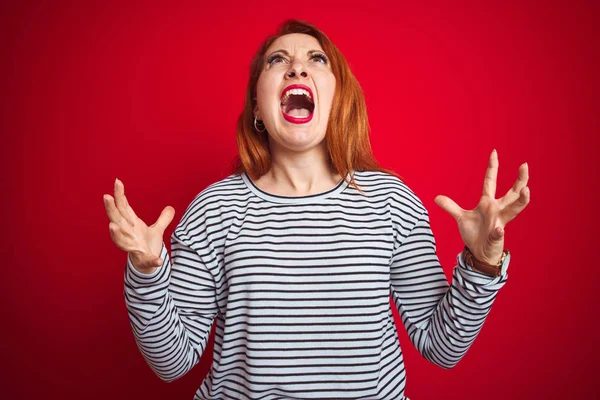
(482, 229)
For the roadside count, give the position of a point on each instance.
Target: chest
(309, 251)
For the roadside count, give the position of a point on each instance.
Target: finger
(111, 209)
(491, 175)
(165, 218)
(520, 183)
(121, 202)
(513, 209)
(131, 212)
(450, 207)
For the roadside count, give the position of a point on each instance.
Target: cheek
(265, 93)
(328, 84)
(328, 96)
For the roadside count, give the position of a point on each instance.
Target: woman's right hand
(131, 234)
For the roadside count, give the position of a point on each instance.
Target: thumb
(165, 218)
(449, 206)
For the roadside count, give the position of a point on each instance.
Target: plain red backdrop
(150, 93)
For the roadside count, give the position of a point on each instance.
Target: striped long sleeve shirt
(300, 289)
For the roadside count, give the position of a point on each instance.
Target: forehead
(294, 42)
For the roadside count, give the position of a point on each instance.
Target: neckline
(311, 198)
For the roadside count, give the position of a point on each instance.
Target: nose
(297, 69)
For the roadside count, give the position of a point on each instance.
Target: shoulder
(391, 189)
(204, 209)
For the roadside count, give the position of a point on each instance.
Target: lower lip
(296, 120)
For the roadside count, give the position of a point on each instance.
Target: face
(296, 119)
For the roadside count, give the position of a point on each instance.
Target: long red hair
(347, 133)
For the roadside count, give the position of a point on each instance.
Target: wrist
(486, 268)
(138, 264)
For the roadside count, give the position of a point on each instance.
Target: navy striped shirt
(300, 289)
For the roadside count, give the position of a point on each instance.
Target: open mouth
(297, 104)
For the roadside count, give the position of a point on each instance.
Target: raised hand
(131, 234)
(482, 229)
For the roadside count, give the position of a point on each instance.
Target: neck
(300, 174)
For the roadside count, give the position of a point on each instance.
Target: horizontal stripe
(299, 288)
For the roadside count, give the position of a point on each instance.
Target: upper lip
(297, 86)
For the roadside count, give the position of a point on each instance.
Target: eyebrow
(287, 54)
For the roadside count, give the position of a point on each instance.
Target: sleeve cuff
(476, 278)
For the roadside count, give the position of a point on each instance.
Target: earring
(260, 123)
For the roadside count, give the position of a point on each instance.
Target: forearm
(458, 317)
(159, 331)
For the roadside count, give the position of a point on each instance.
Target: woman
(297, 252)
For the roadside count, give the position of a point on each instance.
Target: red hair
(347, 133)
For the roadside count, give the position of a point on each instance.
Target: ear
(255, 112)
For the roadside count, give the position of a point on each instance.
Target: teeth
(296, 92)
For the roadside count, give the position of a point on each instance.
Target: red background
(150, 93)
